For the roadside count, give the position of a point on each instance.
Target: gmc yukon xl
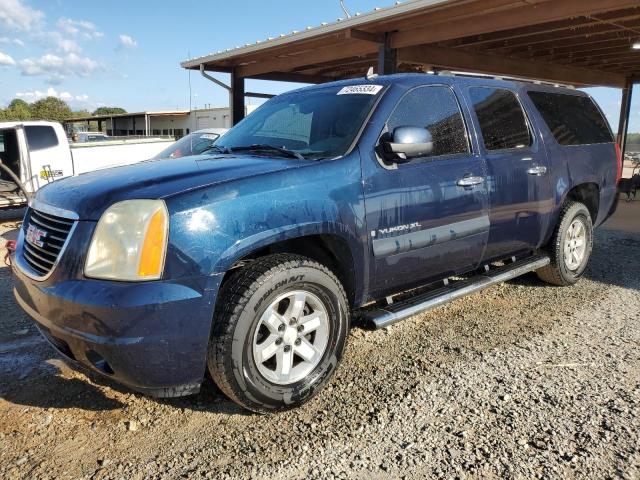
(379, 197)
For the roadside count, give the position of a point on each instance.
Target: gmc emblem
(35, 236)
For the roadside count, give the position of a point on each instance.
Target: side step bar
(385, 316)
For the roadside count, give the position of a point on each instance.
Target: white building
(173, 123)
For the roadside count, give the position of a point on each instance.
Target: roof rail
(450, 73)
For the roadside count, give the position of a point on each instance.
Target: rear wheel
(279, 332)
(570, 247)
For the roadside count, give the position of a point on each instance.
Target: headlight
(130, 242)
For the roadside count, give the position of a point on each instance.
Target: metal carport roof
(579, 42)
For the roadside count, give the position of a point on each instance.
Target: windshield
(313, 123)
(192, 144)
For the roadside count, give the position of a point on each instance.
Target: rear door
(520, 195)
(422, 222)
(581, 143)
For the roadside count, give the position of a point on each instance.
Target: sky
(128, 53)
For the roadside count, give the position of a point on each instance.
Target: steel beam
(387, 57)
(237, 97)
(504, 19)
(625, 113)
(366, 36)
(259, 95)
(288, 63)
(458, 59)
(550, 27)
(292, 77)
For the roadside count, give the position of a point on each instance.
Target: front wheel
(279, 332)
(570, 247)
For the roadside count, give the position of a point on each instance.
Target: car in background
(83, 137)
(193, 144)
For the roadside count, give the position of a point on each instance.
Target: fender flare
(263, 239)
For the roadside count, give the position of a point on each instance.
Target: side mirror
(407, 143)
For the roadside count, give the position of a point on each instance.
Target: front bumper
(150, 336)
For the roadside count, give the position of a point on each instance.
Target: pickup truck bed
(10, 200)
(10, 195)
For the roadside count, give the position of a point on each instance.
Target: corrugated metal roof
(580, 42)
(357, 20)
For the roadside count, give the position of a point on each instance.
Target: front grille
(44, 238)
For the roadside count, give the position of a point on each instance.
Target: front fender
(213, 227)
(263, 239)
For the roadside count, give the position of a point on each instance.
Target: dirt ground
(522, 380)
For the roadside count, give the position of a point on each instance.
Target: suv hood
(90, 194)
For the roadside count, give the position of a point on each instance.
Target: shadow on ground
(55, 391)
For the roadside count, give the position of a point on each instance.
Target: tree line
(633, 140)
(49, 108)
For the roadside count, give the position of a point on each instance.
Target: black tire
(557, 272)
(242, 300)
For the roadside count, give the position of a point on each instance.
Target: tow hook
(11, 249)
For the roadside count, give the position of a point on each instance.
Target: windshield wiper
(218, 148)
(264, 146)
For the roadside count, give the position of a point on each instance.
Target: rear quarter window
(572, 119)
(502, 120)
(40, 137)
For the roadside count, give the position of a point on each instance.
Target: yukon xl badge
(396, 229)
(35, 236)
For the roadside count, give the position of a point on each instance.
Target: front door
(427, 218)
(520, 197)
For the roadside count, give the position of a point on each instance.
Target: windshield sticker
(360, 89)
(210, 136)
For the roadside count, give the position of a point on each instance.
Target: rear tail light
(619, 160)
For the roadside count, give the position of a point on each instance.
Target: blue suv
(378, 197)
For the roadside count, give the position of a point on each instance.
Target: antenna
(370, 74)
(344, 9)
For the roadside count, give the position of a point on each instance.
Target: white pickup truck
(38, 152)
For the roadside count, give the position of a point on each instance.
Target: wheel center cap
(290, 335)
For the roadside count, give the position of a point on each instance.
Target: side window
(40, 137)
(502, 121)
(572, 119)
(436, 109)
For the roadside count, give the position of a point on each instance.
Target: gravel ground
(522, 380)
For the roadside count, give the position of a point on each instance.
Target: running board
(394, 312)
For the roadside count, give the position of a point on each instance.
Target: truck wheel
(279, 331)
(570, 246)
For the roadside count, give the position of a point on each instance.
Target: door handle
(470, 181)
(538, 170)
